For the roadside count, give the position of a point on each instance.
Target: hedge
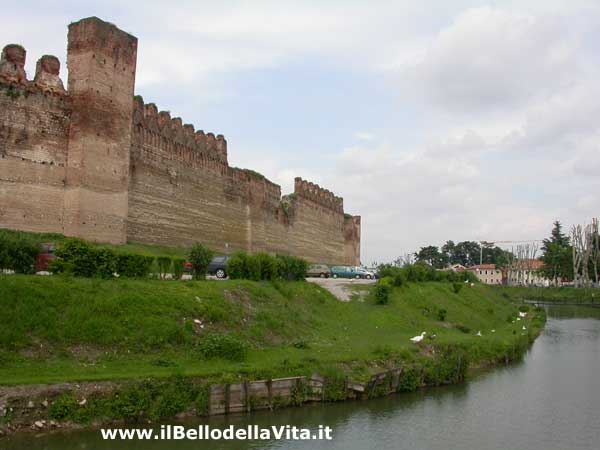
(18, 252)
(263, 266)
(417, 273)
(82, 259)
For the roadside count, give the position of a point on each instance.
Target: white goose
(478, 333)
(418, 339)
(522, 314)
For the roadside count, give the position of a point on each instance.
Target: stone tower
(101, 60)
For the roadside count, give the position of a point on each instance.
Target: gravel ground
(340, 287)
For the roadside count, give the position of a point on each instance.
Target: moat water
(549, 400)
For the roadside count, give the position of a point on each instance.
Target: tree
(557, 255)
(467, 253)
(200, 257)
(432, 256)
(557, 236)
(449, 249)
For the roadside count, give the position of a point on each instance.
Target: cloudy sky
(435, 120)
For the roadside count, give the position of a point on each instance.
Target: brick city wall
(95, 162)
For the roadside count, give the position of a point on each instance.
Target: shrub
(105, 262)
(200, 257)
(82, 259)
(178, 267)
(171, 397)
(418, 273)
(253, 268)
(467, 276)
(421, 272)
(335, 384)
(268, 266)
(223, 346)
(18, 252)
(202, 401)
(63, 407)
(77, 257)
(382, 290)
(263, 266)
(410, 379)
(236, 266)
(442, 314)
(132, 265)
(399, 278)
(291, 267)
(449, 366)
(164, 266)
(456, 287)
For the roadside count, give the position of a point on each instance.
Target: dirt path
(340, 287)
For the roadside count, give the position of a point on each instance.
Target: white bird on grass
(418, 339)
(522, 314)
(493, 331)
(478, 333)
(524, 327)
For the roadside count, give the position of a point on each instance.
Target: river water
(550, 400)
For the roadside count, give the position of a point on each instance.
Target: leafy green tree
(449, 249)
(467, 253)
(432, 256)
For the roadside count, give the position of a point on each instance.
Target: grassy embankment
(564, 295)
(72, 329)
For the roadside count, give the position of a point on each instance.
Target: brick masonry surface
(94, 161)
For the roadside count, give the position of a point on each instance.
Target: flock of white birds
(420, 337)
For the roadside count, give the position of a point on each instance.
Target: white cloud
(364, 136)
(493, 58)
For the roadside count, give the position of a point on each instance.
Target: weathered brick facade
(95, 162)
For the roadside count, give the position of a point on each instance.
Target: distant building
(456, 268)
(488, 273)
(526, 272)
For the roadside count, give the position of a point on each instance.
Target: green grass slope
(56, 328)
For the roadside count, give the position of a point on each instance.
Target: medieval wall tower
(94, 161)
(101, 61)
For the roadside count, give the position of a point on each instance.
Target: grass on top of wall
(131, 247)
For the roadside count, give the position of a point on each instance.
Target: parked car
(347, 272)
(45, 257)
(318, 270)
(365, 273)
(218, 266)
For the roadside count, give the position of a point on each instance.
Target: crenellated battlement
(196, 144)
(96, 161)
(317, 194)
(12, 71)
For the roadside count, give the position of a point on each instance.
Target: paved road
(340, 287)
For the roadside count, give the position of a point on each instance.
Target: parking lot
(342, 288)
